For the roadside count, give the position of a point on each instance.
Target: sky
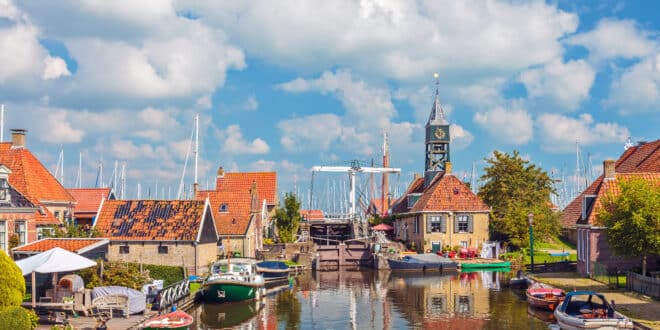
(283, 86)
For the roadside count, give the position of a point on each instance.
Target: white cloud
(314, 132)
(63, 132)
(460, 137)
(513, 126)
(559, 133)
(235, 143)
(567, 84)
(638, 88)
(615, 38)
(204, 102)
(55, 67)
(398, 40)
(22, 57)
(127, 150)
(250, 103)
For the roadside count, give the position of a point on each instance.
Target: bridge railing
(173, 293)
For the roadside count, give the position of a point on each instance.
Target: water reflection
(362, 299)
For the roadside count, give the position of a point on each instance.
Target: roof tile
(88, 199)
(69, 244)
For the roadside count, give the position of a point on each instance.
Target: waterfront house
(642, 161)
(31, 178)
(160, 232)
(438, 209)
(243, 205)
(88, 202)
(91, 248)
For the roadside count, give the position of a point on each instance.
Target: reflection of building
(439, 209)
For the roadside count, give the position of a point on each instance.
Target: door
(435, 247)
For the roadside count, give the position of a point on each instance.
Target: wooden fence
(643, 284)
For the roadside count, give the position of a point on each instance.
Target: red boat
(175, 320)
(543, 296)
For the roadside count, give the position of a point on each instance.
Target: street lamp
(530, 218)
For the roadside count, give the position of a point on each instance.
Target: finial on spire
(437, 113)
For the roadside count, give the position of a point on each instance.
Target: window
(162, 249)
(57, 215)
(21, 230)
(463, 305)
(463, 223)
(4, 189)
(464, 244)
(3, 236)
(43, 232)
(416, 225)
(223, 208)
(436, 224)
(123, 249)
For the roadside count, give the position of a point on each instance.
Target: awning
(55, 260)
(382, 227)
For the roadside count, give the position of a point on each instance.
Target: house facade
(592, 246)
(161, 232)
(31, 178)
(438, 209)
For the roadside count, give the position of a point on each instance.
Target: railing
(173, 293)
(643, 284)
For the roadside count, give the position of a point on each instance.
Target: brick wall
(181, 254)
(10, 224)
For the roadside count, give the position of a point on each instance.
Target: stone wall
(181, 254)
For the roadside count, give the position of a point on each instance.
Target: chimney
(221, 172)
(609, 173)
(18, 138)
(448, 168)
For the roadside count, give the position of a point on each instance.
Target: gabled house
(592, 247)
(31, 178)
(642, 158)
(243, 205)
(438, 209)
(161, 232)
(17, 214)
(88, 202)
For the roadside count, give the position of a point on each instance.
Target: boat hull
(503, 264)
(547, 303)
(225, 291)
(413, 266)
(567, 322)
(177, 320)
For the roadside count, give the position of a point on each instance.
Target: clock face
(439, 133)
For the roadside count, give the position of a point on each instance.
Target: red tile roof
(45, 217)
(445, 193)
(30, 176)
(234, 217)
(401, 205)
(311, 215)
(240, 182)
(69, 244)
(156, 220)
(88, 199)
(643, 158)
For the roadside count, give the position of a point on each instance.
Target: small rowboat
(544, 296)
(589, 310)
(176, 320)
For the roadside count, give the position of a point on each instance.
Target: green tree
(632, 219)
(287, 218)
(12, 283)
(513, 188)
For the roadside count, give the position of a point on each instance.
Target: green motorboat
(233, 279)
(489, 265)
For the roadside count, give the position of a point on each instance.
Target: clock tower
(437, 140)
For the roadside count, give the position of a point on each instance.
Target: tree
(71, 230)
(632, 219)
(287, 218)
(12, 283)
(514, 188)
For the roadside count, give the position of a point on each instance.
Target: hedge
(12, 283)
(128, 274)
(18, 318)
(169, 274)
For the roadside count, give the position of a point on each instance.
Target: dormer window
(4, 189)
(223, 208)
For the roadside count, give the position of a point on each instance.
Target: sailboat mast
(79, 178)
(195, 184)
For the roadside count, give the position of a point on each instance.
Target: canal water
(363, 299)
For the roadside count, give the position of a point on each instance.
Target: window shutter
(470, 224)
(443, 224)
(428, 219)
(456, 223)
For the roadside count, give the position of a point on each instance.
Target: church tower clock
(437, 140)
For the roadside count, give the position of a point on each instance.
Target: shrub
(12, 283)
(169, 274)
(128, 274)
(17, 318)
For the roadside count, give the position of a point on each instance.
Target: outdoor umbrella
(53, 261)
(382, 227)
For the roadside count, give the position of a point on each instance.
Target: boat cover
(273, 265)
(137, 301)
(427, 258)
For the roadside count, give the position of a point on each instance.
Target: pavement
(115, 323)
(640, 308)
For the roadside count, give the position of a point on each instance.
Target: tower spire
(437, 116)
(437, 140)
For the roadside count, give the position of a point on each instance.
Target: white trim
(98, 213)
(207, 206)
(6, 248)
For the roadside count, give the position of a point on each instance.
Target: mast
(195, 184)
(577, 168)
(139, 191)
(384, 189)
(79, 178)
(123, 180)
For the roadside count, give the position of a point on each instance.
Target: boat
(175, 320)
(519, 282)
(543, 296)
(273, 271)
(234, 279)
(485, 265)
(422, 262)
(225, 316)
(589, 310)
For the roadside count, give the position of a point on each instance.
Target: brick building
(160, 232)
(17, 214)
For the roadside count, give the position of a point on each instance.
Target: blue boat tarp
(273, 265)
(427, 258)
(559, 254)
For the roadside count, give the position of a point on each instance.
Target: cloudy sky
(287, 85)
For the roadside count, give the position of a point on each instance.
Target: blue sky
(287, 86)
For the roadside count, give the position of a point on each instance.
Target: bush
(17, 318)
(128, 274)
(169, 274)
(12, 283)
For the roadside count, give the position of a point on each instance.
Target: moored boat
(273, 271)
(175, 320)
(422, 262)
(520, 281)
(485, 265)
(589, 310)
(233, 280)
(543, 296)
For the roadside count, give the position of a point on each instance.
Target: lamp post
(530, 218)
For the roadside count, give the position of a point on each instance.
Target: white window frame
(17, 223)
(4, 236)
(436, 219)
(464, 244)
(459, 221)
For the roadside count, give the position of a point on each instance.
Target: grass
(556, 243)
(291, 263)
(194, 287)
(539, 257)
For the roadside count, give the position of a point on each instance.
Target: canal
(362, 299)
